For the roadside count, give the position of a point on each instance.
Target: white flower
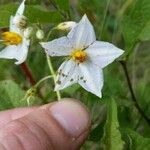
(86, 57)
(16, 44)
(66, 25)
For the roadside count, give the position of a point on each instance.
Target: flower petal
(16, 52)
(103, 53)
(58, 47)
(21, 8)
(22, 52)
(82, 34)
(20, 11)
(13, 27)
(91, 78)
(9, 52)
(67, 75)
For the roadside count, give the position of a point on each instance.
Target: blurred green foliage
(34, 14)
(135, 23)
(125, 23)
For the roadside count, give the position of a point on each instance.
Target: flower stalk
(42, 80)
(52, 72)
(53, 75)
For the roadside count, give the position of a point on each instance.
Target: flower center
(79, 55)
(11, 38)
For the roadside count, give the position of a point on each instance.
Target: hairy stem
(124, 66)
(42, 80)
(27, 73)
(53, 75)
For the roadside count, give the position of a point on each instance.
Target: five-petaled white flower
(86, 57)
(16, 44)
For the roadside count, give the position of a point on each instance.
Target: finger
(9, 115)
(62, 125)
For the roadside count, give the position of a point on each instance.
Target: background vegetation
(120, 120)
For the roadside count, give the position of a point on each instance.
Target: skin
(37, 128)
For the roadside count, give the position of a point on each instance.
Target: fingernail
(72, 116)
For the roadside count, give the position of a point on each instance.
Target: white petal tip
(18, 63)
(121, 51)
(96, 94)
(99, 95)
(85, 17)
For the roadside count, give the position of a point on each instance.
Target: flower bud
(31, 92)
(66, 25)
(28, 32)
(20, 21)
(40, 34)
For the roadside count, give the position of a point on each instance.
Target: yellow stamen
(11, 38)
(79, 55)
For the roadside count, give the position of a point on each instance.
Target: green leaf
(38, 14)
(134, 21)
(145, 34)
(138, 142)
(97, 133)
(112, 137)
(34, 13)
(90, 145)
(10, 94)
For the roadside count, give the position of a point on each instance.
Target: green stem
(51, 66)
(53, 75)
(28, 101)
(27, 73)
(104, 19)
(42, 80)
(134, 99)
(140, 118)
(49, 33)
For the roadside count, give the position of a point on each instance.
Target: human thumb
(62, 125)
